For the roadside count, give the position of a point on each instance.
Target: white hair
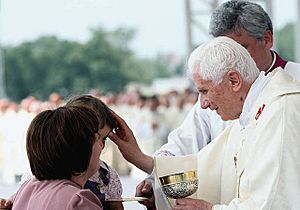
(215, 58)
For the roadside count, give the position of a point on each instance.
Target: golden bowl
(179, 185)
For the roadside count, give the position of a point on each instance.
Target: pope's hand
(192, 204)
(124, 138)
(127, 144)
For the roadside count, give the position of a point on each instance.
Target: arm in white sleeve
(198, 128)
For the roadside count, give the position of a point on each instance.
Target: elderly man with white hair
(254, 163)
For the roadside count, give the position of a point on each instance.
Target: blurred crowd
(151, 117)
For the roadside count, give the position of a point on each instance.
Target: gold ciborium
(179, 185)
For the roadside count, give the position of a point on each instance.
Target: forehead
(201, 83)
(105, 130)
(243, 38)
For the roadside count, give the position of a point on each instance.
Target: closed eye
(203, 92)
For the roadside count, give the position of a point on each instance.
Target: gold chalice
(179, 185)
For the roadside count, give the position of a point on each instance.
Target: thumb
(114, 137)
(147, 187)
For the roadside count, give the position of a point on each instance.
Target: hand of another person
(144, 189)
(116, 205)
(124, 138)
(127, 144)
(192, 204)
(5, 203)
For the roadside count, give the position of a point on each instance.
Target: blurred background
(129, 53)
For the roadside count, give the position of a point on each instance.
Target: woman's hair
(59, 142)
(103, 113)
(212, 60)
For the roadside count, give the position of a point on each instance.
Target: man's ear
(235, 80)
(268, 39)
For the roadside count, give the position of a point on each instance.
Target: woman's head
(60, 142)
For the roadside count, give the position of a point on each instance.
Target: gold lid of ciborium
(178, 177)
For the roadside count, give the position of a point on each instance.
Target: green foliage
(37, 68)
(285, 43)
(50, 64)
(144, 70)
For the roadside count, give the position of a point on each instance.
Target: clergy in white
(254, 163)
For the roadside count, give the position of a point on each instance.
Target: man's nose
(204, 103)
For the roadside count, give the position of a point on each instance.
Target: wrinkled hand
(5, 203)
(192, 204)
(128, 146)
(144, 189)
(124, 138)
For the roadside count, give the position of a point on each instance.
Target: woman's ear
(235, 80)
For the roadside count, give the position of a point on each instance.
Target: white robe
(252, 168)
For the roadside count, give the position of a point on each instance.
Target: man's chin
(227, 118)
(224, 117)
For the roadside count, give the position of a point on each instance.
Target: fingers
(147, 189)
(139, 187)
(144, 189)
(121, 133)
(114, 137)
(122, 129)
(181, 201)
(119, 120)
(190, 203)
(186, 204)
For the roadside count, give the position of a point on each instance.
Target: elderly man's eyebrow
(202, 90)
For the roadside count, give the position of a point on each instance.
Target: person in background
(55, 100)
(248, 24)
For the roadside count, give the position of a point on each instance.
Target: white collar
(273, 62)
(255, 89)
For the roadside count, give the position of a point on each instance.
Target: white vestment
(253, 166)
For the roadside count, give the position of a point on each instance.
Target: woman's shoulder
(84, 199)
(75, 196)
(55, 194)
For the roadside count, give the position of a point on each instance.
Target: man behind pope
(254, 163)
